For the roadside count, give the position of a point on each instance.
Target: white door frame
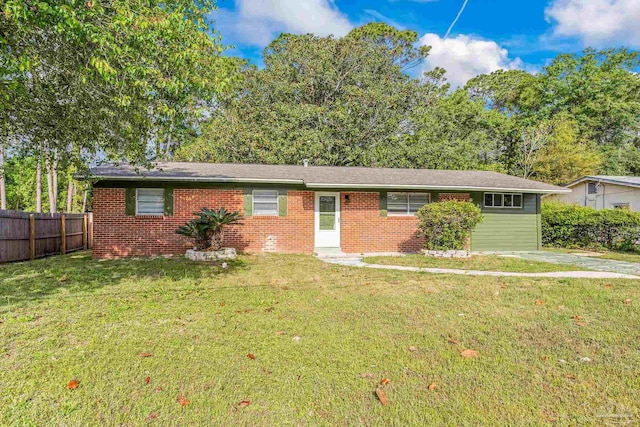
(326, 238)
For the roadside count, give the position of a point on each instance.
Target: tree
(534, 139)
(3, 189)
(333, 101)
(565, 157)
(108, 79)
(449, 131)
(600, 90)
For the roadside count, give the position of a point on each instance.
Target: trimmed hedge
(447, 225)
(573, 226)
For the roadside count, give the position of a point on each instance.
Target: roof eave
(600, 179)
(438, 187)
(197, 179)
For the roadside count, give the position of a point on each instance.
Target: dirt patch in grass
(322, 337)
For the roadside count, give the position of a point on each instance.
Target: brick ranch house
(301, 208)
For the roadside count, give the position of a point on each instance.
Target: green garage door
(508, 229)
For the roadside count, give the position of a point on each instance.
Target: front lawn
(479, 262)
(167, 342)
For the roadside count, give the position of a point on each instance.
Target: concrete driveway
(590, 262)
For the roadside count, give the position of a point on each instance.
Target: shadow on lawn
(79, 273)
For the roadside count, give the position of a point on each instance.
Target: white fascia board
(437, 187)
(198, 179)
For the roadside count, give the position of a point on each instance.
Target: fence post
(85, 232)
(32, 237)
(63, 231)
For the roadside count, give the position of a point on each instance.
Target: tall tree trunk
(39, 184)
(3, 189)
(54, 172)
(70, 191)
(84, 201)
(53, 208)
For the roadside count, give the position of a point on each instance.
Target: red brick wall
(459, 197)
(116, 234)
(364, 230)
(362, 227)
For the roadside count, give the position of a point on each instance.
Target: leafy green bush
(206, 230)
(572, 226)
(447, 225)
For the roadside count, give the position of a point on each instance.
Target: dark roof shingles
(329, 175)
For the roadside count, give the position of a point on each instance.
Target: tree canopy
(89, 81)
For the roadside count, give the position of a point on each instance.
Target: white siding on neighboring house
(608, 196)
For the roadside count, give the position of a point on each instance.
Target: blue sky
(489, 35)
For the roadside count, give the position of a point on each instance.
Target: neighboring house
(300, 208)
(603, 192)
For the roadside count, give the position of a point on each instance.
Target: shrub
(207, 229)
(447, 225)
(573, 226)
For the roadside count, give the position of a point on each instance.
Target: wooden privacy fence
(25, 235)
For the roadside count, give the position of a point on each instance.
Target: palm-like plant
(207, 229)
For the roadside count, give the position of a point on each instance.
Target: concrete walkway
(590, 262)
(356, 261)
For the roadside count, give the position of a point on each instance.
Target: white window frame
(150, 214)
(408, 204)
(484, 200)
(253, 203)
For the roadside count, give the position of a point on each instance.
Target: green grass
(71, 317)
(614, 255)
(480, 262)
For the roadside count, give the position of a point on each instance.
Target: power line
(456, 20)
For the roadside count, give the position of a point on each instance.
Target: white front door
(327, 220)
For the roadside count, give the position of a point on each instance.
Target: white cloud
(465, 57)
(596, 22)
(258, 22)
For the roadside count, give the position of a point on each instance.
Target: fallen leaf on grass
(152, 416)
(577, 317)
(158, 389)
(280, 333)
(413, 348)
(432, 386)
(452, 341)
(147, 380)
(571, 376)
(244, 403)
(382, 397)
(608, 285)
(73, 384)
(581, 324)
(251, 356)
(182, 401)
(469, 353)
(385, 381)
(539, 302)
(145, 354)
(627, 301)
(503, 286)
(222, 304)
